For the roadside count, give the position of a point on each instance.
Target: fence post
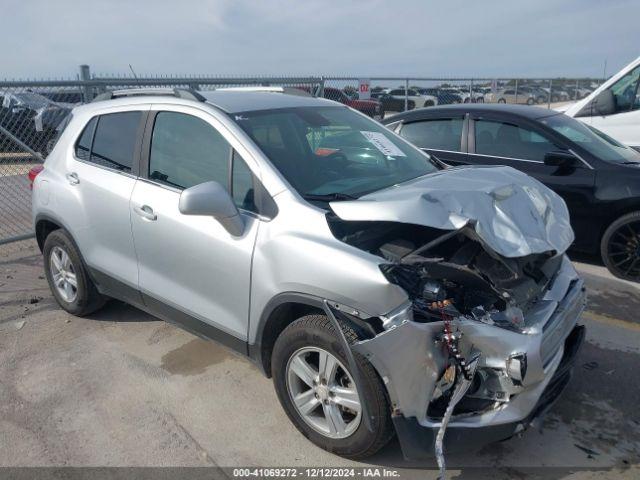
(549, 98)
(516, 100)
(575, 96)
(85, 76)
(321, 89)
(406, 94)
(471, 91)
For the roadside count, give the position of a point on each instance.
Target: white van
(614, 108)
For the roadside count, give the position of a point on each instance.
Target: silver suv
(382, 292)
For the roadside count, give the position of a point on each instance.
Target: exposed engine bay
(453, 271)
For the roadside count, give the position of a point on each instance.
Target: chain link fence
(33, 112)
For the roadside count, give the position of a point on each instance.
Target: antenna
(134, 74)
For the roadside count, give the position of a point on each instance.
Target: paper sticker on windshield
(382, 143)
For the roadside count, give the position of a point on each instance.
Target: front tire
(67, 276)
(620, 247)
(319, 394)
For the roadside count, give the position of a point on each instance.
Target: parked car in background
(373, 108)
(391, 103)
(577, 93)
(416, 97)
(464, 94)
(598, 177)
(614, 107)
(557, 94)
(380, 291)
(442, 96)
(32, 118)
(511, 95)
(541, 96)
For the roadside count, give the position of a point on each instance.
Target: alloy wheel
(63, 274)
(323, 392)
(623, 250)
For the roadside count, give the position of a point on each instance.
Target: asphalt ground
(122, 389)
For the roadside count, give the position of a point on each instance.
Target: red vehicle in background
(372, 108)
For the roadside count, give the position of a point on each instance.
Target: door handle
(146, 212)
(72, 178)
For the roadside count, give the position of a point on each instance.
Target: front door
(191, 270)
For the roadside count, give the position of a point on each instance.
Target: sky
(491, 38)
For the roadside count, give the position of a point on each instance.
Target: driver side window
(625, 91)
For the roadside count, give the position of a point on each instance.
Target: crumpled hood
(512, 213)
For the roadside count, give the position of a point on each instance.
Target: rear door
(102, 172)
(442, 137)
(192, 270)
(494, 140)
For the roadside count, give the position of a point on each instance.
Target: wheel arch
(282, 310)
(44, 225)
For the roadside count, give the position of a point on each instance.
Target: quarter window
(83, 146)
(115, 140)
(442, 134)
(507, 140)
(242, 184)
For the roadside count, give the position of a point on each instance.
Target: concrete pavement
(123, 389)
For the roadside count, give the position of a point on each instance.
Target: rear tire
(305, 337)
(67, 275)
(620, 247)
(502, 100)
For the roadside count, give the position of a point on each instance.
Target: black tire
(87, 299)
(318, 331)
(530, 101)
(502, 100)
(620, 247)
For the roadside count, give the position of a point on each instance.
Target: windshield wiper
(328, 197)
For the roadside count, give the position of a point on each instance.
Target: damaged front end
(487, 338)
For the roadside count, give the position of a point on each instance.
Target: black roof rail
(184, 93)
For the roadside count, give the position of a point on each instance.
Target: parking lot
(121, 388)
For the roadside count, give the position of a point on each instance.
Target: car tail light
(33, 173)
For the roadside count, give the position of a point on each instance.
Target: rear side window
(187, 151)
(442, 134)
(507, 140)
(114, 141)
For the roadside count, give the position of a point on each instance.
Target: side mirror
(604, 103)
(560, 158)
(212, 199)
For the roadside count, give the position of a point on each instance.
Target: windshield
(333, 152)
(594, 141)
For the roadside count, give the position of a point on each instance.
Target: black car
(598, 177)
(391, 103)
